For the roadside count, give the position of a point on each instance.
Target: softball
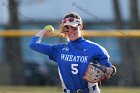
(49, 27)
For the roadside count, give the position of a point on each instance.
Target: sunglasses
(71, 20)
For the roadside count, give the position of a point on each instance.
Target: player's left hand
(110, 71)
(96, 73)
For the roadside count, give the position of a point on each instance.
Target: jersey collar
(80, 39)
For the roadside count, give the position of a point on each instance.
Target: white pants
(96, 90)
(91, 88)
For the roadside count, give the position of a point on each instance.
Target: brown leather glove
(96, 73)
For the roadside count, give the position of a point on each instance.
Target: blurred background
(19, 65)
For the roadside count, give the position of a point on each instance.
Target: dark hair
(73, 15)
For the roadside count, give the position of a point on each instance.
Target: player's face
(72, 33)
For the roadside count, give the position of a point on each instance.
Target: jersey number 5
(74, 68)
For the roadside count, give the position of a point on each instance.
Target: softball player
(72, 57)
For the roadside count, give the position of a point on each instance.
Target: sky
(56, 9)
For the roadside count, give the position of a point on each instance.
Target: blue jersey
(72, 59)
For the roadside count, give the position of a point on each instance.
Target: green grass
(120, 89)
(48, 89)
(29, 89)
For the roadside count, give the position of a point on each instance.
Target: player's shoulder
(60, 45)
(95, 45)
(92, 43)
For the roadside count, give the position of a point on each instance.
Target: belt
(86, 90)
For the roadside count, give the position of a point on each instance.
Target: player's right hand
(49, 30)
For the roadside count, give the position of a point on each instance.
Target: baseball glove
(96, 73)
